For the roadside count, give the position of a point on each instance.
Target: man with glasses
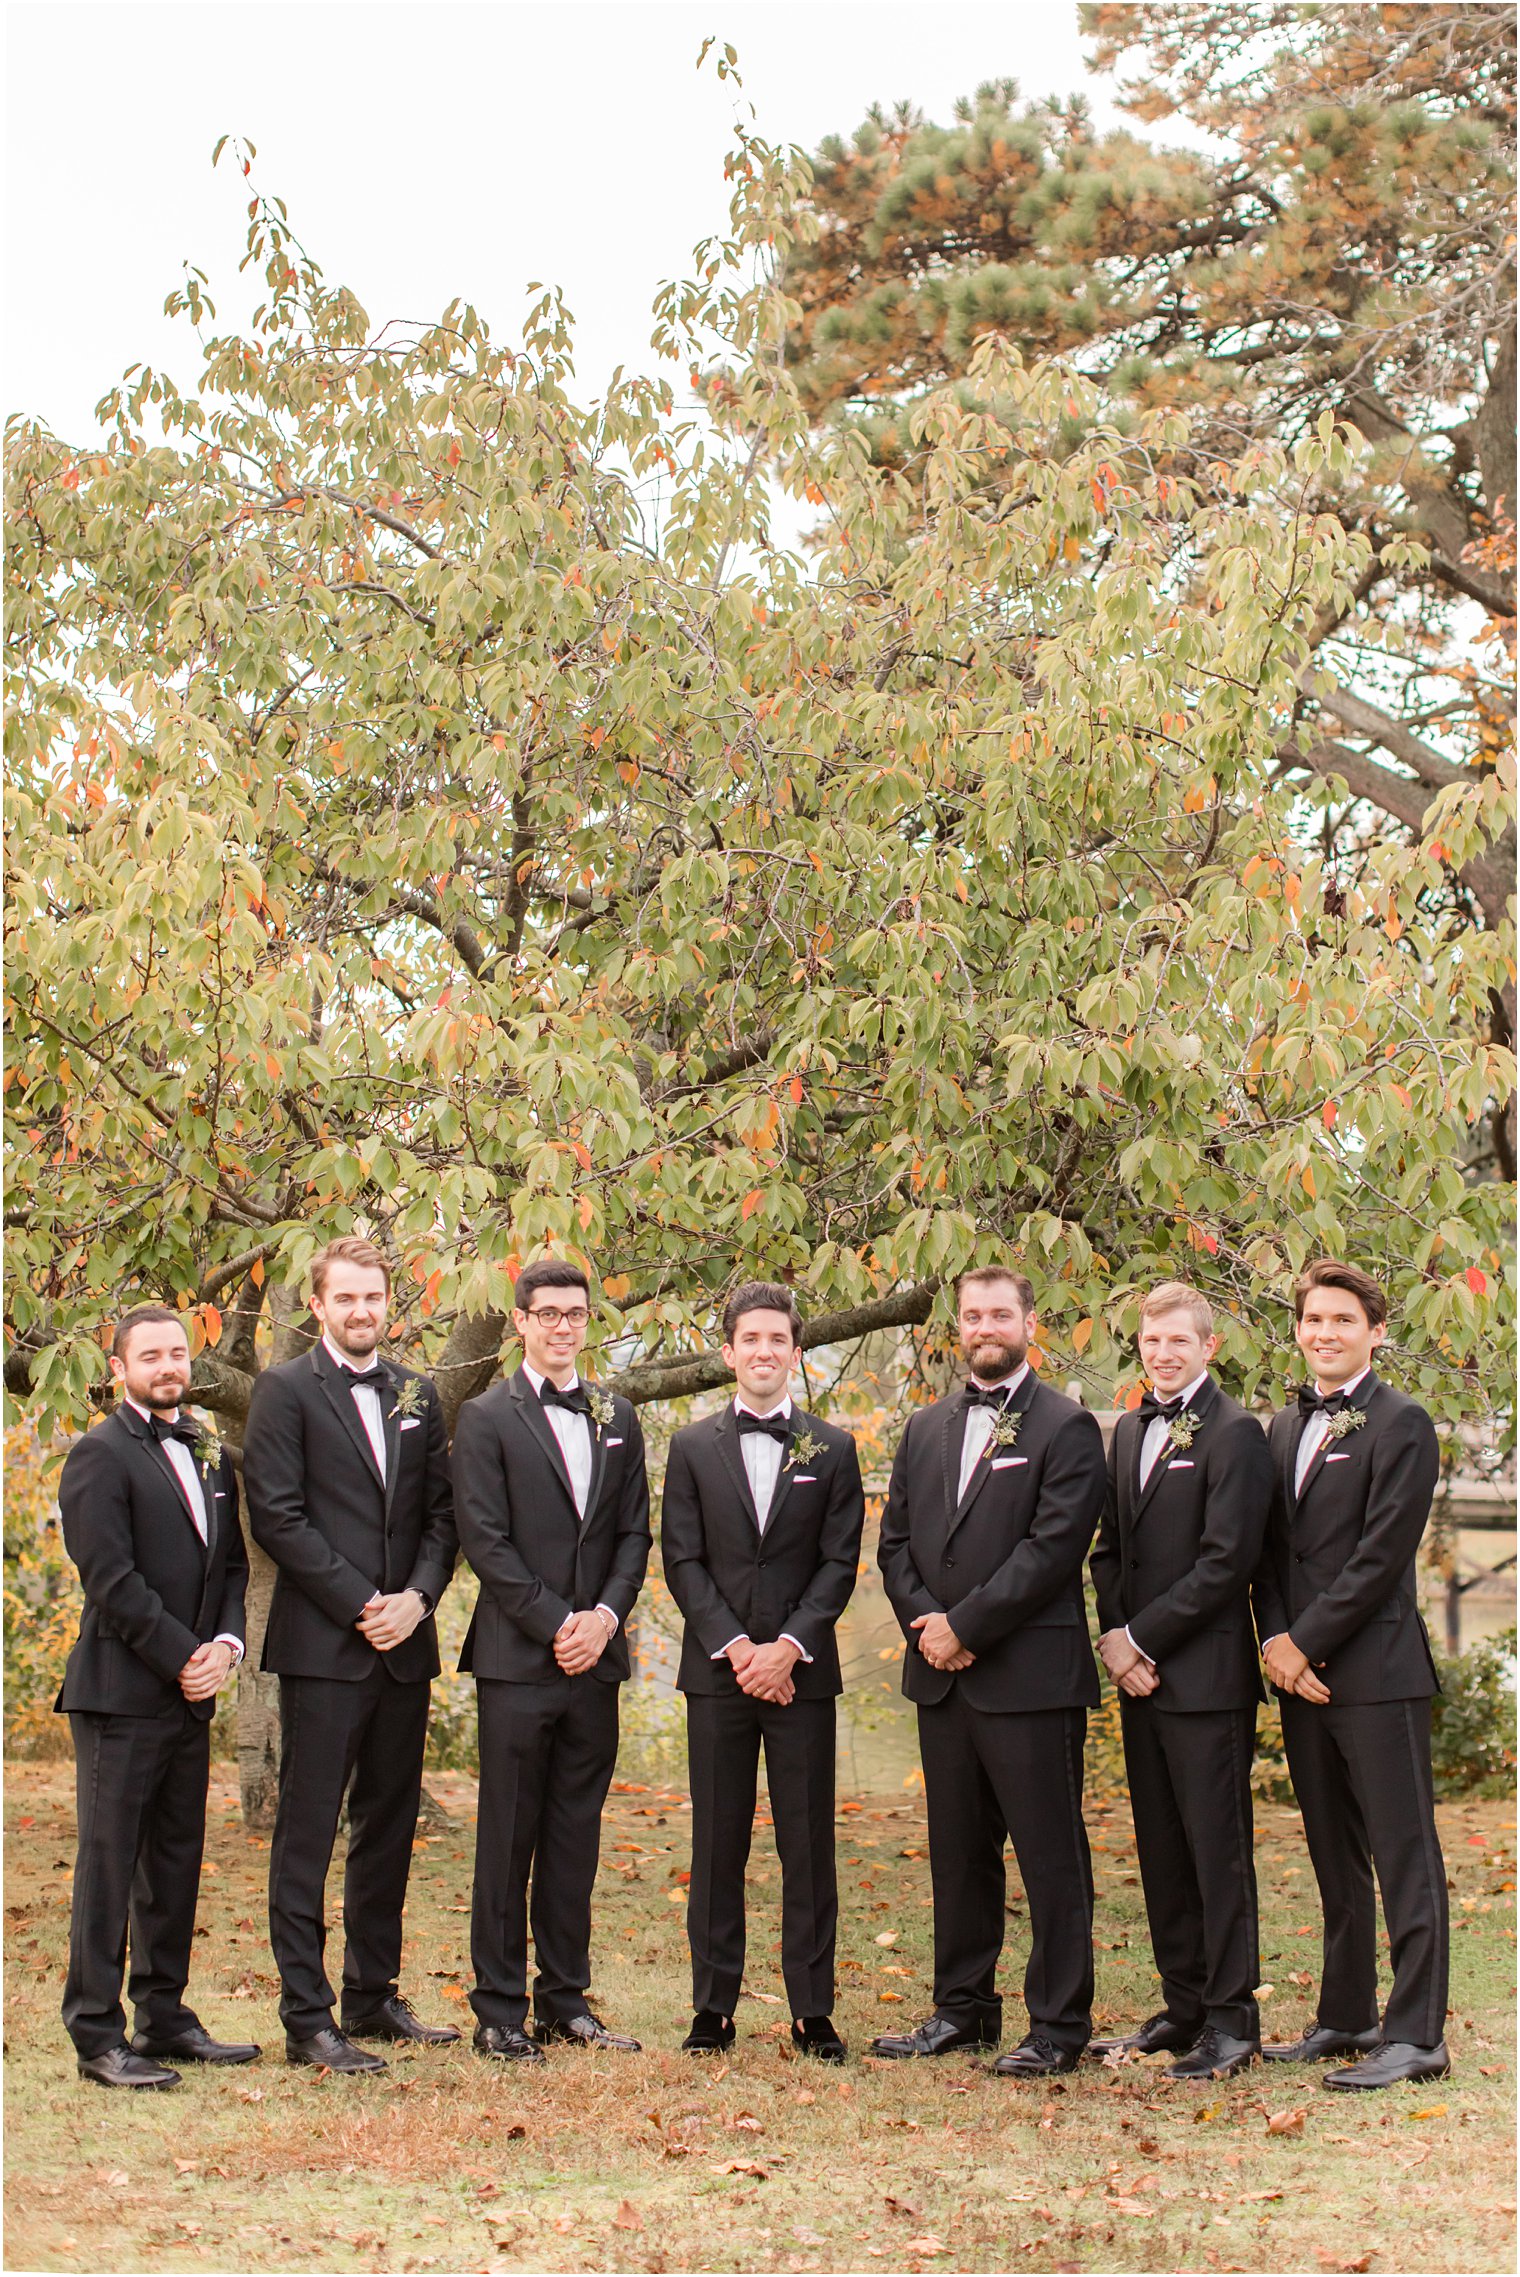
(553, 1512)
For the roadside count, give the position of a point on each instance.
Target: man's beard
(160, 1402)
(343, 1338)
(991, 1358)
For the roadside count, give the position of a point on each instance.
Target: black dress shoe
(1158, 2035)
(1216, 2055)
(196, 2047)
(710, 2034)
(1319, 2043)
(936, 2036)
(507, 2043)
(816, 2036)
(330, 2048)
(1036, 2058)
(119, 2067)
(586, 2030)
(396, 2019)
(1394, 2061)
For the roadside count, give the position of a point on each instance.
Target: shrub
(1472, 1737)
(42, 1600)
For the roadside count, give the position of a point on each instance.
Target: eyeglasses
(552, 1317)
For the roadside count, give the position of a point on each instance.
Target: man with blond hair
(1189, 1487)
(346, 1469)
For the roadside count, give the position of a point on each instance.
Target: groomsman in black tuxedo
(1189, 1485)
(994, 1497)
(346, 1468)
(554, 1518)
(150, 1517)
(1356, 1466)
(761, 1531)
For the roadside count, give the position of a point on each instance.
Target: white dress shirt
(366, 1399)
(762, 1457)
(979, 1422)
(182, 1463)
(1158, 1427)
(573, 1431)
(1314, 1433)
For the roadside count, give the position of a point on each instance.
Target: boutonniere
(1349, 1419)
(602, 1409)
(411, 1399)
(1183, 1429)
(804, 1449)
(1005, 1429)
(208, 1448)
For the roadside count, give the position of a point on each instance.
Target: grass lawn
(654, 2162)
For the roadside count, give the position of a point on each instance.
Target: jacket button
(762, 1563)
(949, 1561)
(1298, 1558)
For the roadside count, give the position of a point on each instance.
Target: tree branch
(703, 1371)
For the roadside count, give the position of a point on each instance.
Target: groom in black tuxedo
(554, 1518)
(346, 1468)
(150, 1517)
(1189, 1484)
(760, 1532)
(1356, 1468)
(994, 1497)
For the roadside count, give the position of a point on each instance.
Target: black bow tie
(189, 1434)
(575, 1398)
(1311, 1402)
(373, 1376)
(985, 1395)
(1151, 1408)
(774, 1426)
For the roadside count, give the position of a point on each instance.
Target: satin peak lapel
(726, 1439)
(543, 1431)
(341, 1400)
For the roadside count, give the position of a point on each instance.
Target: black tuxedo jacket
(317, 1505)
(153, 1590)
(538, 1561)
(1338, 1571)
(1174, 1563)
(731, 1580)
(1005, 1563)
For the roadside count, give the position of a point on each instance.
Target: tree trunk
(258, 1695)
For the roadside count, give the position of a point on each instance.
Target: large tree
(1344, 244)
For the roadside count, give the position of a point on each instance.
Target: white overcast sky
(428, 151)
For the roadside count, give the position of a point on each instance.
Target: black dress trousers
(1190, 1784)
(547, 1752)
(372, 1731)
(724, 1737)
(1363, 1781)
(141, 1788)
(987, 1774)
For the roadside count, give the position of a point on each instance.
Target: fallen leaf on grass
(887, 1937)
(926, 2247)
(748, 2124)
(1286, 2122)
(673, 2147)
(771, 1999)
(807, 2237)
(912, 2125)
(806, 2095)
(1339, 2261)
(186, 2165)
(905, 2206)
(1430, 2111)
(889, 1996)
(1128, 2206)
(1258, 2197)
(743, 2166)
(250, 2094)
(627, 2216)
(117, 2180)
(1205, 2112)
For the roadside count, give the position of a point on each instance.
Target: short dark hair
(549, 1273)
(1330, 1273)
(348, 1249)
(139, 1317)
(997, 1273)
(761, 1296)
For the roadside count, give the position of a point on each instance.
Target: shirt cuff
(728, 1648)
(612, 1617)
(1272, 1639)
(1144, 1655)
(236, 1643)
(788, 1638)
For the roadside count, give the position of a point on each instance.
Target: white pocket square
(412, 1423)
(804, 1478)
(1337, 1458)
(1181, 1466)
(1008, 1462)
(614, 1442)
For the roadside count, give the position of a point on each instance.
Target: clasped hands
(580, 1642)
(765, 1671)
(1127, 1664)
(939, 1644)
(1290, 1671)
(207, 1670)
(388, 1621)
